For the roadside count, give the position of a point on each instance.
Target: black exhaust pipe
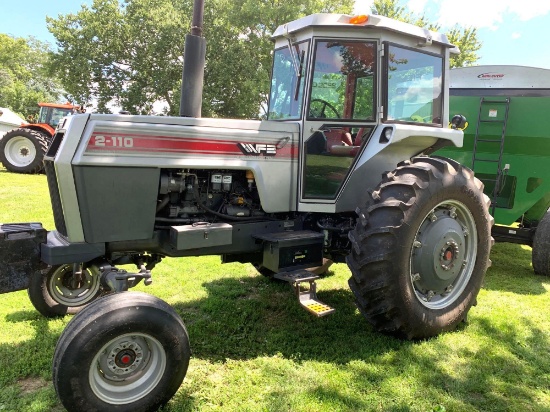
(193, 65)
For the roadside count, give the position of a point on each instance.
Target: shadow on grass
(244, 319)
(249, 318)
(28, 361)
(511, 271)
(34, 356)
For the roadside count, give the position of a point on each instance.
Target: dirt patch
(31, 385)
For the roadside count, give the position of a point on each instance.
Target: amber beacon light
(360, 19)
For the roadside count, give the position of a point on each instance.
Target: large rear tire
(59, 293)
(125, 352)
(23, 150)
(420, 248)
(541, 247)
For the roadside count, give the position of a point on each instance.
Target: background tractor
(339, 170)
(22, 150)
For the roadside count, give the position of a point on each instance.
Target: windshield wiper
(299, 75)
(298, 66)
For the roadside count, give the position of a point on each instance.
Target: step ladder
(306, 296)
(492, 106)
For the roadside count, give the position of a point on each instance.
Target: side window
(414, 86)
(43, 115)
(342, 84)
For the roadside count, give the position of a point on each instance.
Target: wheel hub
(124, 358)
(70, 290)
(439, 258)
(19, 151)
(127, 368)
(449, 255)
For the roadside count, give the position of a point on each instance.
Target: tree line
(129, 54)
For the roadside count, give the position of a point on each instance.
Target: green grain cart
(507, 144)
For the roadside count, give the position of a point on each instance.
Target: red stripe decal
(133, 143)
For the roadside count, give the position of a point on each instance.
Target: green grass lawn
(255, 349)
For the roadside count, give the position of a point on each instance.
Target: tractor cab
(348, 80)
(50, 113)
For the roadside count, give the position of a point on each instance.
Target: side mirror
(459, 122)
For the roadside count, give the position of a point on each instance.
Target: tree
(122, 53)
(240, 48)
(130, 52)
(24, 79)
(465, 38)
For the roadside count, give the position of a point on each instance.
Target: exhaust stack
(193, 65)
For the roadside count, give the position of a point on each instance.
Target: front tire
(58, 293)
(420, 248)
(541, 247)
(125, 352)
(23, 150)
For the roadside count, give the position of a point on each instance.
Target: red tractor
(22, 150)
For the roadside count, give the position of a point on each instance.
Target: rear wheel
(127, 351)
(59, 292)
(541, 247)
(421, 248)
(23, 150)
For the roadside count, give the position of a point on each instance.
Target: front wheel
(421, 248)
(127, 351)
(60, 292)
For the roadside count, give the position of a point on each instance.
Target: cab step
(306, 297)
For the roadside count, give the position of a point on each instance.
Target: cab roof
(373, 21)
(59, 105)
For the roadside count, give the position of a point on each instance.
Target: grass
(255, 349)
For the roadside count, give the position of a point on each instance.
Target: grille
(57, 209)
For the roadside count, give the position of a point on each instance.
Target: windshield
(52, 115)
(287, 89)
(57, 115)
(414, 86)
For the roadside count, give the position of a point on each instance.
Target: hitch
(120, 280)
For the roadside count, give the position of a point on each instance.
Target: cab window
(343, 83)
(414, 86)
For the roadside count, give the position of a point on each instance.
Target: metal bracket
(306, 296)
(119, 280)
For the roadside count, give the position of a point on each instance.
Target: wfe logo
(257, 149)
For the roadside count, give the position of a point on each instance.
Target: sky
(512, 31)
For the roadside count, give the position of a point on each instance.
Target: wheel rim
(443, 255)
(64, 289)
(127, 368)
(20, 151)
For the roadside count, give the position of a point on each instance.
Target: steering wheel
(420, 119)
(320, 112)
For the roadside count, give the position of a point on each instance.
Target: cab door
(340, 115)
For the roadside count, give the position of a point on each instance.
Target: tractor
(340, 170)
(22, 150)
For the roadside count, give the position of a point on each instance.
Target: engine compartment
(192, 196)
